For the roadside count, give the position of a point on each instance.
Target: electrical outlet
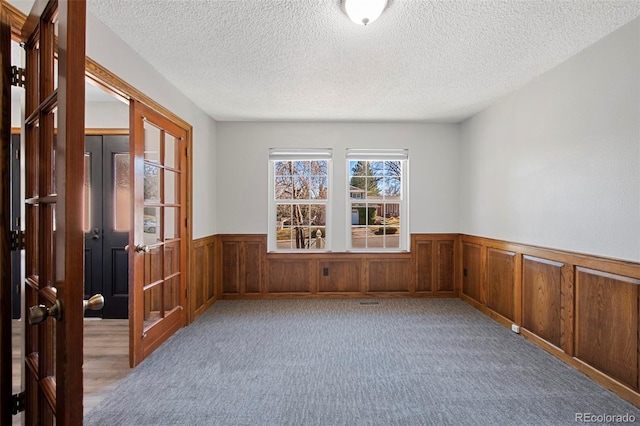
(515, 328)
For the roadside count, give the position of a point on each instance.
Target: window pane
(375, 168)
(171, 185)
(318, 187)
(284, 238)
(151, 183)
(171, 226)
(171, 145)
(300, 215)
(122, 192)
(151, 225)
(318, 215)
(318, 235)
(282, 168)
(301, 188)
(391, 188)
(151, 143)
(283, 188)
(393, 168)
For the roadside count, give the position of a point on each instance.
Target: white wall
(106, 115)
(557, 163)
(108, 50)
(242, 169)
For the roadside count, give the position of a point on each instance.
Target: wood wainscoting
(202, 291)
(249, 272)
(581, 308)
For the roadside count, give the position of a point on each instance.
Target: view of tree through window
(301, 193)
(375, 194)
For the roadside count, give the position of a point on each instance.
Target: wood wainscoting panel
(389, 275)
(231, 251)
(253, 252)
(242, 264)
(472, 271)
(607, 323)
(500, 281)
(445, 264)
(542, 294)
(424, 260)
(340, 276)
(202, 285)
(291, 275)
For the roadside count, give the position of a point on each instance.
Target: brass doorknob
(95, 303)
(142, 248)
(37, 314)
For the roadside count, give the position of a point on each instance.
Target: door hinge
(18, 76)
(17, 154)
(18, 402)
(18, 240)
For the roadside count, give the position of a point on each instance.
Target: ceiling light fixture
(364, 12)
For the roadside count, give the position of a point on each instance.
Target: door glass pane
(55, 73)
(171, 185)
(53, 153)
(171, 294)
(151, 183)
(171, 217)
(55, 59)
(151, 143)
(151, 228)
(171, 146)
(152, 305)
(122, 192)
(86, 195)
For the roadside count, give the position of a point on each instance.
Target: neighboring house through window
(377, 199)
(299, 199)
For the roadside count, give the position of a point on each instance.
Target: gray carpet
(337, 362)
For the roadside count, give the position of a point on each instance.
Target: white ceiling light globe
(364, 12)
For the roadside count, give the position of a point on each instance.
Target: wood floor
(106, 358)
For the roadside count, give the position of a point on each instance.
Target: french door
(54, 143)
(157, 243)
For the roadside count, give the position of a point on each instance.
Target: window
(299, 200)
(377, 201)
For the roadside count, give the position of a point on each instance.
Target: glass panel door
(159, 236)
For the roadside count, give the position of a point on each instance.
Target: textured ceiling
(422, 60)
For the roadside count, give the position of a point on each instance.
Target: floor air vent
(369, 302)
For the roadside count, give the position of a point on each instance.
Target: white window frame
(401, 155)
(278, 154)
